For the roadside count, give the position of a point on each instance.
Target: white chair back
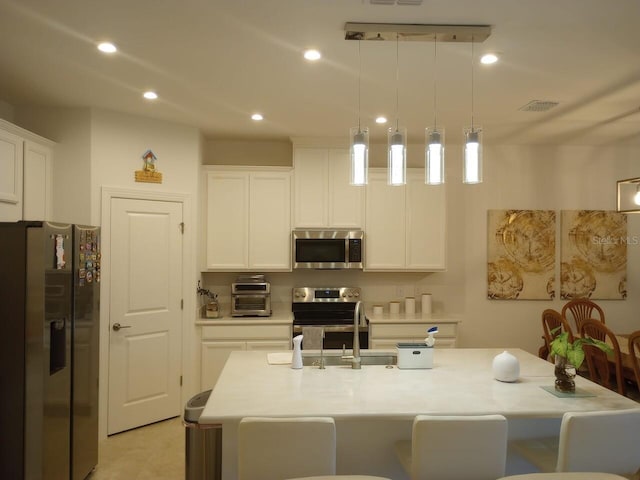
(606, 441)
(278, 448)
(458, 447)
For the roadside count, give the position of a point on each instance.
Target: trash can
(203, 442)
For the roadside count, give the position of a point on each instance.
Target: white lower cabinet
(218, 341)
(386, 336)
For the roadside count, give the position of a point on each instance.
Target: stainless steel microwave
(328, 249)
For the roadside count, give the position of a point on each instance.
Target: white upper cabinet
(248, 219)
(11, 164)
(405, 226)
(37, 181)
(26, 165)
(323, 197)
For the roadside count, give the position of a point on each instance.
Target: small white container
(394, 307)
(409, 305)
(414, 355)
(426, 303)
(378, 310)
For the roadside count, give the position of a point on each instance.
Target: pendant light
(434, 151)
(359, 142)
(397, 143)
(472, 155)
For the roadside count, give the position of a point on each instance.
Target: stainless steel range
(333, 309)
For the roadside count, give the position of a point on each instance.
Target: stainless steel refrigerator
(49, 309)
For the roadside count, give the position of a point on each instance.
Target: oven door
(339, 336)
(251, 305)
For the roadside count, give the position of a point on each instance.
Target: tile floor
(155, 452)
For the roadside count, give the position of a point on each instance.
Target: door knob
(117, 327)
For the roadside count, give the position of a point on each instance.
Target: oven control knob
(356, 294)
(350, 294)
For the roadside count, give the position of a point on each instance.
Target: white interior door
(146, 316)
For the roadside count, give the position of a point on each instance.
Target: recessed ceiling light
(107, 47)
(489, 58)
(312, 55)
(257, 117)
(381, 119)
(150, 95)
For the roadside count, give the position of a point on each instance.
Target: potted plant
(569, 356)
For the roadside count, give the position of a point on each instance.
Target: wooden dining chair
(604, 369)
(581, 309)
(634, 351)
(551, 320)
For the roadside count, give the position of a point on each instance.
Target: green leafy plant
(573, 351)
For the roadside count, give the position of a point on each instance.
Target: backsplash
(378, 288)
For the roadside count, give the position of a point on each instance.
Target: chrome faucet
(355, 360)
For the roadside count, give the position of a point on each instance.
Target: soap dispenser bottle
(430, 341)
(296, 358)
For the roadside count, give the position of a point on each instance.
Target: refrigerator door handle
(57, 345)
(117, 327)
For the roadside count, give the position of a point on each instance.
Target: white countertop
(280, 314)
(461, 382)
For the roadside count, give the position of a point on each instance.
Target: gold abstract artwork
(521, 256)
(594, 255)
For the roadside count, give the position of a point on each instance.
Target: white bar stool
(461, 447)
(603, 441)
(277, 448)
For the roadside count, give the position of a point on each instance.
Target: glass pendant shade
(359, 155)
(472, 156)
(397, 156)
(434, 156)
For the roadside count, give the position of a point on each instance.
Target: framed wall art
(521, 254)
(593, 255)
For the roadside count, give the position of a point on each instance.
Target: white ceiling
(214, 62)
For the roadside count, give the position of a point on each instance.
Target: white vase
(506, 367)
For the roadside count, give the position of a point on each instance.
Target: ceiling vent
(538, 106)
(416, 32)
(393, 2)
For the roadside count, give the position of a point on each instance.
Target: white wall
(7, 112)
(516, 177)
(100, 148)
(237, 152)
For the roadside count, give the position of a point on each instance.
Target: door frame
(188, 275)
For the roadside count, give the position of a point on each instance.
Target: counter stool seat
(345, 477)
(565, 476)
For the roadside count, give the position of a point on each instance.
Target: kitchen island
(375, 406)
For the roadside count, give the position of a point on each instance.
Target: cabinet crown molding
(24, 133)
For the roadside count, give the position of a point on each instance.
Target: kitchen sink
(334, 358)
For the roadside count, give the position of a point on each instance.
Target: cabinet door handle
(117, 327)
